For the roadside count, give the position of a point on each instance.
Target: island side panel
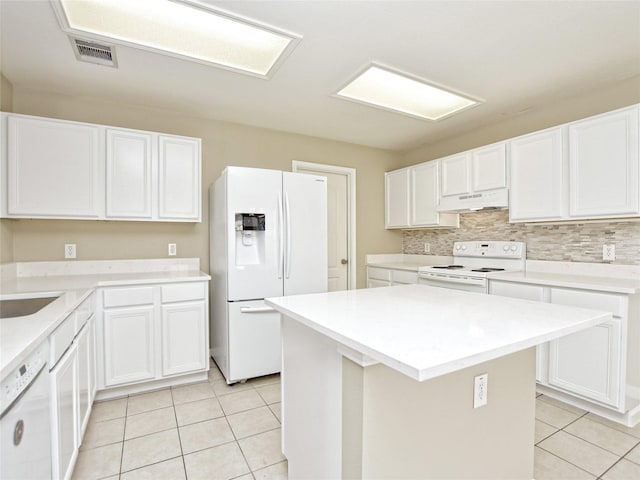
(311, 402)
(430, 430)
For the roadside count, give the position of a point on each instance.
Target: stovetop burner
(488, 269)
(448, 267)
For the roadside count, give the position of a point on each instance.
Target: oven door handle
(446, 279)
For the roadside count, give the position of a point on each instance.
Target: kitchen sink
(20, 307)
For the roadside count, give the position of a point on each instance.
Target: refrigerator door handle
(287, 258)
(257, 310)
(280, 236)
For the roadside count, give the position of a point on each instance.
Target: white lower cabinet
(151, 332)
(183, 328)
(72, 386)
(385, 277)
(64, 400)
(129, 345)
(591, 363)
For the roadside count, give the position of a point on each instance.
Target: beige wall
(624, 93)
(222, 144)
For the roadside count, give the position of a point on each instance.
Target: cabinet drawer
(615, 304)
(516, 290)
(379, 273)
(183, 292)
(83, 312)
(404, 276)
(120, 297)
(60, 339)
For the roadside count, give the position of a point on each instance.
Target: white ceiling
(516, 55)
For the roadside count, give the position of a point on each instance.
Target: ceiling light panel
(180, 28)
(400, 93)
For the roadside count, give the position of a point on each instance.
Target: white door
(183, 331)
(538, 177)
(254, 340)
(254, 262)
(305, 211)
(129, 167)
(603, 164)
(341, 221)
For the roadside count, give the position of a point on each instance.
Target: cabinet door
(179, 178)
(129, 347)
(590, 362)
(489, 168)
(538, 177)
(603, 163)
(52, 168)
(184, 338)
(397, 199)
(86, 374)
(374, 283)
(64, 402)
(456, 174)
(424, 194)
(129, 178)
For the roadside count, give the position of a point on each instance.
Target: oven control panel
(490, 249)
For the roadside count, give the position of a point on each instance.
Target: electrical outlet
(480, 387)
(427, 247)
(608, 253)
(173, 250)
(69, 250)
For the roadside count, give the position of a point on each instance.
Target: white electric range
(473, 263)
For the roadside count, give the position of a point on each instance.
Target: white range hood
(475, 201)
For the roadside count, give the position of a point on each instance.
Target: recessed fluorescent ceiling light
(383, 88)
(181, 28)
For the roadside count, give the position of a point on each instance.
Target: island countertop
(425, 332)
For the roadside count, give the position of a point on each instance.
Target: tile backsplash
(576, 242)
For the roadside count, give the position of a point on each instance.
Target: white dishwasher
(25, 419)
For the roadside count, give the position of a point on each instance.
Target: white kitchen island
(379, 383)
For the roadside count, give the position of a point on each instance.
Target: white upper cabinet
(474, 171)
(456, 174)
(128, 174)
(603, 165)
(60, 169)
(538, 176)
(587, 169)
(53, 168)
(397, 199)
(179, 177)
(412, 196)
(489, 167)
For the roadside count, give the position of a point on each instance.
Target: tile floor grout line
(567, 461)
(599, 446)
(175, 416)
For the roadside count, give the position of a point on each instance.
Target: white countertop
(399, 261)
(425, 332)
(19, 336)
(587, 282)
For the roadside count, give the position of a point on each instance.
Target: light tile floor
(210, 430)
(206, 430)
(574, 444)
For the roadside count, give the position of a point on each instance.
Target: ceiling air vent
(94, 52)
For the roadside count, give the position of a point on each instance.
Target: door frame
(350, 173)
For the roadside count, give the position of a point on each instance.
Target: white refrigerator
(268, 238)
